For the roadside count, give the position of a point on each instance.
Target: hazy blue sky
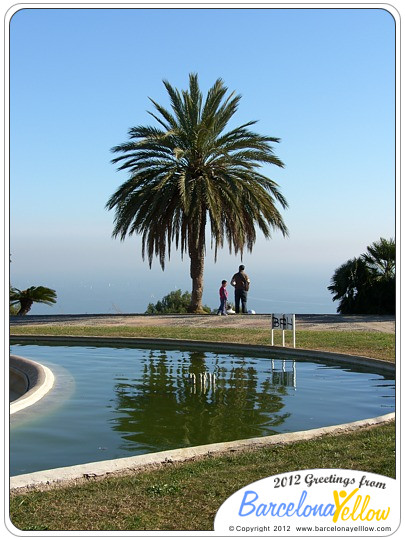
(323, 80)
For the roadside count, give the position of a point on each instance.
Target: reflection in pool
(118, 402)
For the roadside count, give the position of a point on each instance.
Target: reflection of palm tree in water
(161, 409)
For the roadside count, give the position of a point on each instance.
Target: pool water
(118, 402)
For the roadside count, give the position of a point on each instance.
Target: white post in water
(282, 321)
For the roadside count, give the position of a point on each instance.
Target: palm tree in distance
(188, 173)
(25, 299)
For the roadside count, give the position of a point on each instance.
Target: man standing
(241, 282)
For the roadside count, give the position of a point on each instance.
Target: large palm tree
(188, 173)
(25, 299)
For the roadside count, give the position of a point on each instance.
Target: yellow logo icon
(346, 512)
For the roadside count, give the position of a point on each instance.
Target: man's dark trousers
(240, 296)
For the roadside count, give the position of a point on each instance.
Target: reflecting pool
(118, 402)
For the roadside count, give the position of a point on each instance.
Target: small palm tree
(366, 284)
(188, 173)
(25, 299)
(380, 258)
(349, 284)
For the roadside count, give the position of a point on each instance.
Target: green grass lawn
(187, 496)
(372, 344)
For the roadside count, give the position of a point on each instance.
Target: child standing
(223, 297)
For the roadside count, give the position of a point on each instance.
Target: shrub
(174, 302)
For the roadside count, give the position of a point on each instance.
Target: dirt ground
(368, 323)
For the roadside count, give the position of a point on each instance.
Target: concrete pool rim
(33, 379)
(129, 464)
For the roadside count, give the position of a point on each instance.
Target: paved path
(369, 323)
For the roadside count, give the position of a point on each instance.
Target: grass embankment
(372, 344)
(187, 496)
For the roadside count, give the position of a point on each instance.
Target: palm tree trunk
(197, 277)
(196, 253)
(25, 306)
